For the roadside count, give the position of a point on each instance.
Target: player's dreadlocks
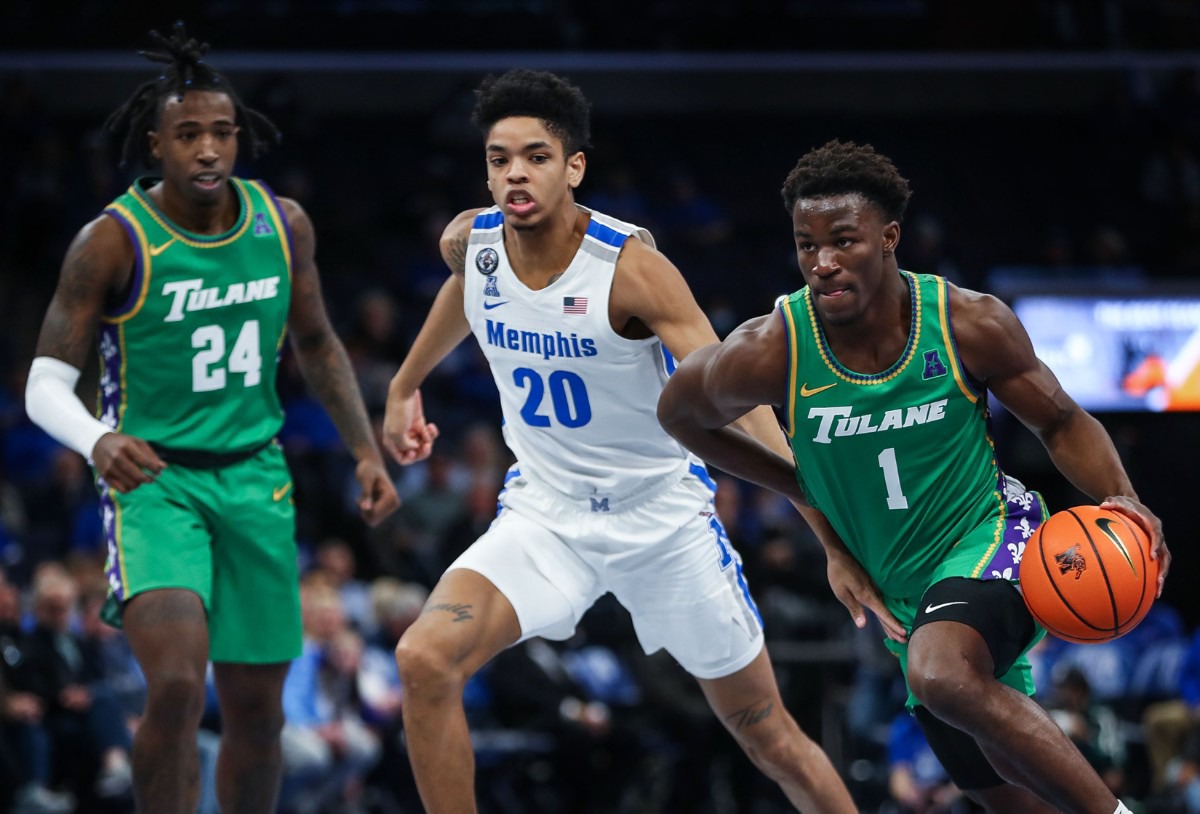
(560, 105)
(839, 168)
(185, 70)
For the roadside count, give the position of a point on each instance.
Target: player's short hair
(843, 167)
(557, 103)
(186, 69)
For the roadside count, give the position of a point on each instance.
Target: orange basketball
(1087, 576)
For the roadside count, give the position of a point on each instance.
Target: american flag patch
(574, 305)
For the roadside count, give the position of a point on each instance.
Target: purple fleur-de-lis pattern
(1024, 511)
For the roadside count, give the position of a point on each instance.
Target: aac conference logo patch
(487, 260)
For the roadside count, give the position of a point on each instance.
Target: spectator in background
(1092, 726)
(375, 345)
(26, 761)
(925, 249)
(89, 740)
(1170, 725)
(395, 606)
(328, 748)
(425, 517)
(335, 560)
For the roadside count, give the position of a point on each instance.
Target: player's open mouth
(520, 203)
(207, 180)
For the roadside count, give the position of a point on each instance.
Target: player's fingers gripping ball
(1087, 575)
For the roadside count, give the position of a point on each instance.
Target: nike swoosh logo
(1104, 523)
(932, 608)
(488, 306)
(280, 491)
(805, 392)
(155, 251)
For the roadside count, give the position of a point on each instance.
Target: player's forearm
(1084, 453)
(444, 328)
(736, 452)
(761, 423)
(327, 369)
(822, 530)
(52, 404)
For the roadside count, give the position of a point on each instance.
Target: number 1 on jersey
(891, 479)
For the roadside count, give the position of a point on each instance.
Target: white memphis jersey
(579, 400)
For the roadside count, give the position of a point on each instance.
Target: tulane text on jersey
(848, 424)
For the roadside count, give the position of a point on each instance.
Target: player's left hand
(379, 498)
(1150, 523)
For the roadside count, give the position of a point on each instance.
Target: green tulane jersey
(188, 361)
(900, 461)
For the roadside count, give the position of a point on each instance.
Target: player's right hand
(406, 435)
(855, 589)
(126, 462)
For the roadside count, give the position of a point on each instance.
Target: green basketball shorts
(227, 534)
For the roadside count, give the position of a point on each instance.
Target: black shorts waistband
(204, 459)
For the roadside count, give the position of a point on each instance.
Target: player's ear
(152, 137)
(891, 238)
(576, 166)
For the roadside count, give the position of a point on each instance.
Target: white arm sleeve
(52, 404)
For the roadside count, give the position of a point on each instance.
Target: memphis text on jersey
(548, 346)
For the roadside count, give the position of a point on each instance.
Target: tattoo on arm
(326, 365)
(456, 253)
(748, 717)
(461, 612)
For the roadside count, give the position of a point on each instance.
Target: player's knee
(942, 685)
(175, 700)
(257, 726)
(424, 669)
(781, 753)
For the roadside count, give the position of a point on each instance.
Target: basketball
(1087, 575)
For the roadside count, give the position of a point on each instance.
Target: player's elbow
(671, 413)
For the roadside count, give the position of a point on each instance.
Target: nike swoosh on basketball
(280, 491)
(932, 608)
(805, 392)
(488, 306)
(155, 251)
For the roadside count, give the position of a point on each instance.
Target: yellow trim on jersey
(997, 535)
(148, 205)
(277, 217)
(144, 256)
(793, 366)
(951, 348)
(112, 493)
(124, 386)
(914, 286)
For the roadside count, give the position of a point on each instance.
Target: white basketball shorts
(667, 559)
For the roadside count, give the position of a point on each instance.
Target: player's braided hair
(560, 105)
(185, 70)
(839, 168)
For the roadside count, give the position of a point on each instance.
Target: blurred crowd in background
(1110, 193)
